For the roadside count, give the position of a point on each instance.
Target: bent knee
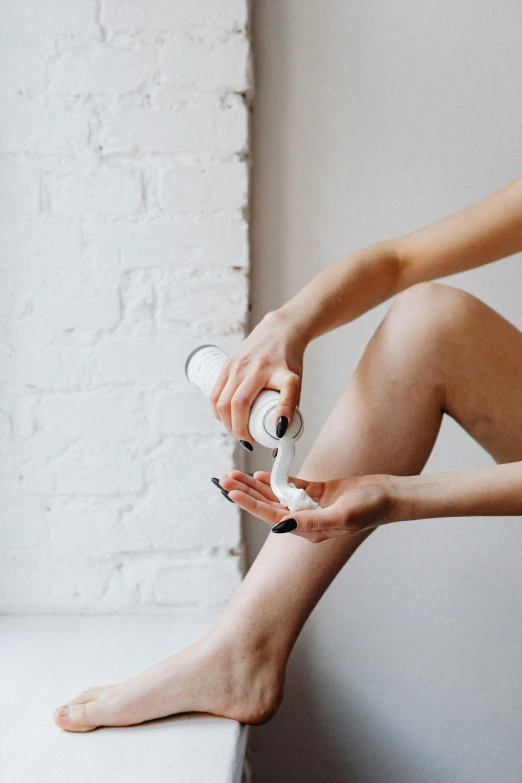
(430, 310)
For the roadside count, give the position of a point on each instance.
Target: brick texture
(123, 212)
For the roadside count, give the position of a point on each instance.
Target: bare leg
(438, 350)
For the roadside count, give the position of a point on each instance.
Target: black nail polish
(281, 426)
(216, 483)
(225, 495)
(274, 453)
(251, 475)
(285, 527)
(246, 445)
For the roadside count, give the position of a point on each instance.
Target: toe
(89, 694)
(75, 717)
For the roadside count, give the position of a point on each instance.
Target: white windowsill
(49, 658)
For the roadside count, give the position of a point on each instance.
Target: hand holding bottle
(271, 357)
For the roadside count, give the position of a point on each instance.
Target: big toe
(76, 717)
(89, 694)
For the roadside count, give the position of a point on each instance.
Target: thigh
(439, 350)
(483, 383)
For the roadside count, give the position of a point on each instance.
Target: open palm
(347, 506)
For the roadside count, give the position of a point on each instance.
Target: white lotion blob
(288, 494)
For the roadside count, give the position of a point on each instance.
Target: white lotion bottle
(202, 369)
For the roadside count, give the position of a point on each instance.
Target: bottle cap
(192, 353)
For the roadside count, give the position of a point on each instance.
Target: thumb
(288, 400)
(311, 521)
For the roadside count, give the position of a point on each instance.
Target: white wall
(123, 182)
(372, 119)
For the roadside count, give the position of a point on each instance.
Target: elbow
(395, 266)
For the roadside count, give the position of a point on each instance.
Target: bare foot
(233, 682)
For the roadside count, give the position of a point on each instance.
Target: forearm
(344, 291)
(490, 491)
(477, 235)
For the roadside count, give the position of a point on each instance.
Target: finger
(244, 396)
(233, 485)
(288, 400)
(261, 482)
(225, 400)
(249, 481)
(264, 477)
(219, 385)
(265, 511)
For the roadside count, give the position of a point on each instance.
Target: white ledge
(48, 658)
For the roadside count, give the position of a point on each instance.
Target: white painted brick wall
(123, 204)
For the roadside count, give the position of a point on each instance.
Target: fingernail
(216, 483)
(251, 475)
(285, 527)
(274, 453)
(282, 424)
(64, 712)
(225, 495)
(246, 445)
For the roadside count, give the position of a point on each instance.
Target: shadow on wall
(308, 750)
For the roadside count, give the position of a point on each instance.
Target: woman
(438, 350)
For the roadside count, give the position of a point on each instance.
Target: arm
(272, 355)
(358, 503)
(490, 491)
(475, 236)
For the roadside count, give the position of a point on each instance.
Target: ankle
(250, 643)
(254, 680)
